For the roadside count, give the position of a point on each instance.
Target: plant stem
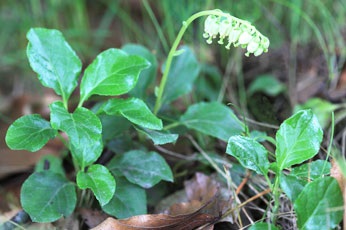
(330, 144)
(276, 194)
(175, 45)
(172, 125)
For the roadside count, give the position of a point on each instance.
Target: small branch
(261, 123)
(230, 211)
(242, 184)
(174, 154)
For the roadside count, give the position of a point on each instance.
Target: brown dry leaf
(201, 188)
(203, 208)
(158, 222)
(184, 207)
(336, 172)
(199, 191)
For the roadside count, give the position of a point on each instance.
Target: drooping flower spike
(239, 32)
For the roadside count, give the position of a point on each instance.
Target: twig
(242, 184)
(246, 202)
(261, 123)
(174, 154)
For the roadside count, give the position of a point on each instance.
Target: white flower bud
(265, 43)
(253, 45)
(245, 38)
(211, 28)
(258, 52)
(233, 36)
(224, 29)
(239, 33)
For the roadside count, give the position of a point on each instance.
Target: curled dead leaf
(161, 221)
(202, 207)
(201, 187)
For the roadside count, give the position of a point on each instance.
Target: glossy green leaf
(311, 171)
(128, 200)
(292, 186)
(184, 70)
(133, 109)
(298, 139)
(83, 128)
(113, 72)
(30, 132)
(51, 163)
(51, 57)
(99, 180)
(143, 168)
(159, 137)
(267, 84)
(213, 119)
(318, 205)
(148, 75)
(294, 183)
(263, 226)
(47, 196)
(249, 153)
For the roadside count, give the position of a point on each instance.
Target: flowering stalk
(218, 23)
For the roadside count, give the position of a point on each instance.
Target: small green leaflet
(184, 71)
(84, 130)
(311, 170)
(249, 153)
(47, 196)
(318, 205)
(292, 186)
(56, 63)
(148, 75)
(213, 119)
(99, 180)
(299, 176)
(133, 109)
(159, 137)
(128, 200)
(298, 139)
(30, 132)
(112, 73)
(143, 168)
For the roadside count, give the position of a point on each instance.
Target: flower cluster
(239, 32)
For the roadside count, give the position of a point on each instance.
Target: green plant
(297, 140)
(112, 73)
